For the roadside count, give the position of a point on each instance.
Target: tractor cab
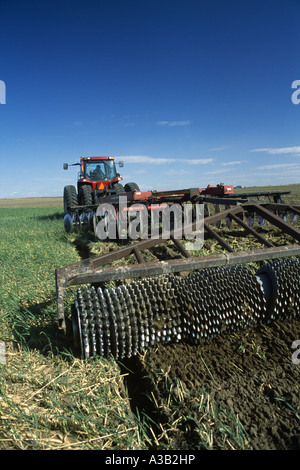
(98, 170)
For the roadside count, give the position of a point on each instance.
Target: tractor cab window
(101, 170)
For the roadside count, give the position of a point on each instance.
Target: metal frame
(96, 269)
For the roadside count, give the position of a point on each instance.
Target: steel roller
(126, 320)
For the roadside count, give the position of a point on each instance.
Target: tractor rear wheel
(70, 198)
(131, 187)
(85, 195)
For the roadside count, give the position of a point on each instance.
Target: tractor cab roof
(97, 158)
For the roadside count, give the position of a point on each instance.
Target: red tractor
(97, 177)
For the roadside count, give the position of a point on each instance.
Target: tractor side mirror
(66, 166)
(121, 164)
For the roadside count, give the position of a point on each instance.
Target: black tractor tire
(131, 187)
(70, 198)
(119, 188)
(85, 195)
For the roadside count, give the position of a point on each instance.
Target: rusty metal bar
(282, 207)
(181, 265)
(138, 255)
(222, 200)
(277, 221)
(258, 194)
(214, 218)
(250, 230)
(217, 237)
(180, 247)
(84, 272)
(121, 253)
(151, 242)
(295, 209)
(93, 270)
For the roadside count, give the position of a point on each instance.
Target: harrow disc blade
(260, 220)
(68, 223)
(71, 222)
(283, 215)
(250, 219)
(292, 217)
(84, 222)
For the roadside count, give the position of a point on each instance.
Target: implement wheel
(119, 188)
(131, 187)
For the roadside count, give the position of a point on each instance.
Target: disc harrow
(190, 298)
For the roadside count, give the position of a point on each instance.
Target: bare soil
(247, 382)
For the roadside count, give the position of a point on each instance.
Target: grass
(33, 245)
(63, 403)
(32, 202)
(49, 399)
(219, 423)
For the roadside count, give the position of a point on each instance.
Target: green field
(32, 202)
(50, 399)
(293, 197)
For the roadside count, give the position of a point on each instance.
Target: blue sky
(186, 92)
